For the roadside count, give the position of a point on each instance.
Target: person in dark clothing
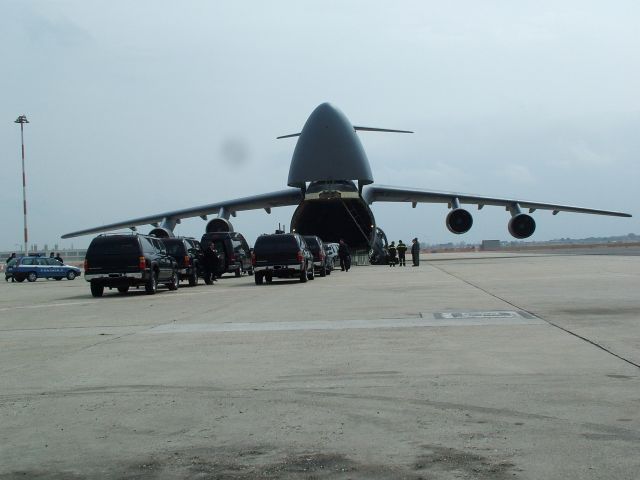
(402, 250)
(9, 258)
(211, 264)
(415, 252)
(58, 257)
(345, 256)
(391, 254)
(52, 255)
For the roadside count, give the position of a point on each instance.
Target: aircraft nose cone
(328, 149)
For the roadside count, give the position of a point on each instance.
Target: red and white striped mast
(22, 119)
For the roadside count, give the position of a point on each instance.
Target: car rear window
(313, 244)
(174, 247)
(275, 243)
(114, 245)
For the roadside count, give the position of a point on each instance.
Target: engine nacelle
(522, 226)
(459, 221)
(219, 225)
(161, 232)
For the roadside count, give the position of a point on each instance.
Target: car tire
(96, 289)
(323, 271)
(303, 276)
(312, 273)
(123, 289)
(238, 271)
(193, 278)
(269, 278)
(151, 287)
(32, 276)
(174, 283)
(19, 278)
(258, 278)
(71, 275)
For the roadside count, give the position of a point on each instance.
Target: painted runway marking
(428, 320)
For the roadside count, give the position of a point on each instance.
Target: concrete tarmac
(473, 366)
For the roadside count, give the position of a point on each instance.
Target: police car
(33, 267)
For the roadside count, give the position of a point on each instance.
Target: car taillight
(86, 264)
(187, 260)
(253, 258)
(142, 263)
(300, 257)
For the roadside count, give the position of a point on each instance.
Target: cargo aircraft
(331, 183)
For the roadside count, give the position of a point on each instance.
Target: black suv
(282, 255)
(316, 246)
(235, 256)
(188, 256)
(121, 261)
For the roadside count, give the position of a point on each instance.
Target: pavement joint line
(430, 320)
(595, 344)
(90, 302)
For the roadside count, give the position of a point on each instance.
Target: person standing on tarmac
(415, 252)
(211, 264)
(345, 256)
(391, 251)
(9, 258)
(402, 249)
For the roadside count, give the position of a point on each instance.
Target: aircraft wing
(384, 193)
(281, 198)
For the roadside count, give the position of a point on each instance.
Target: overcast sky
(147, 106)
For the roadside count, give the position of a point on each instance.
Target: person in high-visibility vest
(402, 249)
(391, 251)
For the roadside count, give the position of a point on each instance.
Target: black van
(121, 261)
(235, 256)
(188, 255)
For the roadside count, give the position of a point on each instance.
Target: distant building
(488, 245)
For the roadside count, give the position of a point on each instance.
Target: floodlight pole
(22, 119)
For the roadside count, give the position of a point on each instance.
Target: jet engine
(219, 225)
(459, 221)
(161, 232)
(522, 226)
